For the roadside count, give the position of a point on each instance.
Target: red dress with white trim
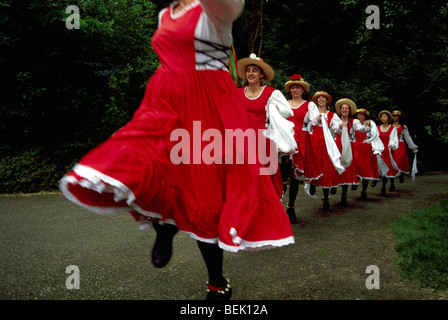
(256, 108)
(159, 164)
(401, 154)
(330, 178)
(366, 160)
(386, 155)
(349, 176)
(304, 160)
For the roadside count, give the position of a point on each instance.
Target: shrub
(28, 172)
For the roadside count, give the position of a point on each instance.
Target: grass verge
(421, 243)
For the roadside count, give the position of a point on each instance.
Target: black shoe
(383, 192)
(363, 195)
(292, 215)
(374, 183)
(344, 200)
(224, 294)
(163, 247)
(326, 206)
(312, 189)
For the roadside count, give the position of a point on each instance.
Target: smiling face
(254, 74)
(345, 110)
(322, 101)
(296, 91)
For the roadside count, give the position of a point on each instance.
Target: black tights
(327, 191)
(213, 257)
(285, 168)
(385, 181)
(365, 184)
(293, 190)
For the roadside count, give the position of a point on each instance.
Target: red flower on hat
(295, 77)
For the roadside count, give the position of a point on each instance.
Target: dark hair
(305, 96)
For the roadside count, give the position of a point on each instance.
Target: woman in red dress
(367, 147)
(158, 163)
(324, 128)
(301, 165)
(388, 135)
(346, 108)
(256, 93)
(401, 155)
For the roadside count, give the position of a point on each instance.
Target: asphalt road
(42, 235)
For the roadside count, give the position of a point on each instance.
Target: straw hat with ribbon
(364, 112)
(397, 113)
(254, 60)
(297, 79)
(386, 112)
(322, 93)
(349, 102)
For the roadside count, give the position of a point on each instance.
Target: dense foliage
(66, 90)
(63, 91)
(403, 65)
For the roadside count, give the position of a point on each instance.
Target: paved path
(41, 235)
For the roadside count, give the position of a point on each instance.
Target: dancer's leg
(163, 247)
(218, 287)
(293, 191)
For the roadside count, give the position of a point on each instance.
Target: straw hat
(364, 112)
(340, 102)
(322, 93)
(386, 112)
(397, 113)
(297, 79)
(253, 59)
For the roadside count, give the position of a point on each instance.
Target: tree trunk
(253, 23)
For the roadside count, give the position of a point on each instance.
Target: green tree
(65, 91)
(407, 59)
(61, 86)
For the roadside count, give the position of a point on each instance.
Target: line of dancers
(342, 148)
(220, 206)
